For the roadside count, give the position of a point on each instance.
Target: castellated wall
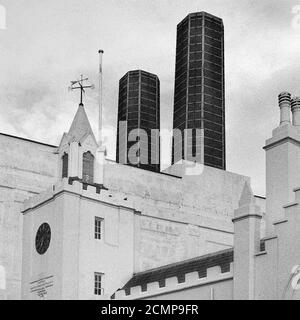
(26, 169)
(215, 286)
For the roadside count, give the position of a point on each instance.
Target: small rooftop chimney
(284, 99)
(296, 111)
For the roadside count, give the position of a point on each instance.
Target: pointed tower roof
(80, 127)
(247, 197)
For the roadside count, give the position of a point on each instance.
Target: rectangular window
(98, 282)
(98, 228)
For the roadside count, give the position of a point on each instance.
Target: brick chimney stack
(282, 160)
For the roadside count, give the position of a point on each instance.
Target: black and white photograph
(149, 153)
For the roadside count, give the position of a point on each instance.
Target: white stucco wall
(274, 266)
(282, 171)
(181, 217)
(217, 291)
(36, 267)
(26, 168)
(74, 254)
(113, 255)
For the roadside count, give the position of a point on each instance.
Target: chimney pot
(284, 100)
(284, 97)
(296, 111)
(295, 102)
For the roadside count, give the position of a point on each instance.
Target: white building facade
(102, 231)
(84, 240)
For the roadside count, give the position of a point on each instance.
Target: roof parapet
(75, 186)
(214, 274)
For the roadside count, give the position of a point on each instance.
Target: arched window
(88, 167)
(65, 161)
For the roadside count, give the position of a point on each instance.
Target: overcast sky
(49, 43)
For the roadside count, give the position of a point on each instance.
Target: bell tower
(76, 234)
(77, 151)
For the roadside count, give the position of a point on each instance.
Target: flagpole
(100, 100)
(101, 151)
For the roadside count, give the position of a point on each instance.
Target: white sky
(49, 43)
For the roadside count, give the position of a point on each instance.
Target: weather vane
(79, 84)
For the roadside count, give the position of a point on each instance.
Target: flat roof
(28, 140)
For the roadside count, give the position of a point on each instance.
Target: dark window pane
(194, 98)
(213, 143)
(195, 81)
(212, 161)
(212, 75)
(212, 134)
(213, 118)
(213, 100)
(196, 40)
(196, 31)
(213, 58)
(196, 56)
(195, 64)
(213, 92)
(133, 78)
(194, 89)
(65, 162)
(195, 47)
(213, 84)
(214, 34)
(133, 94)
(213, 109)
(213, 25)
(196, 22)
(195, 73)
(213, 126)
(212, 67)
(213, 42)
(134, 86)
(88, 167)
